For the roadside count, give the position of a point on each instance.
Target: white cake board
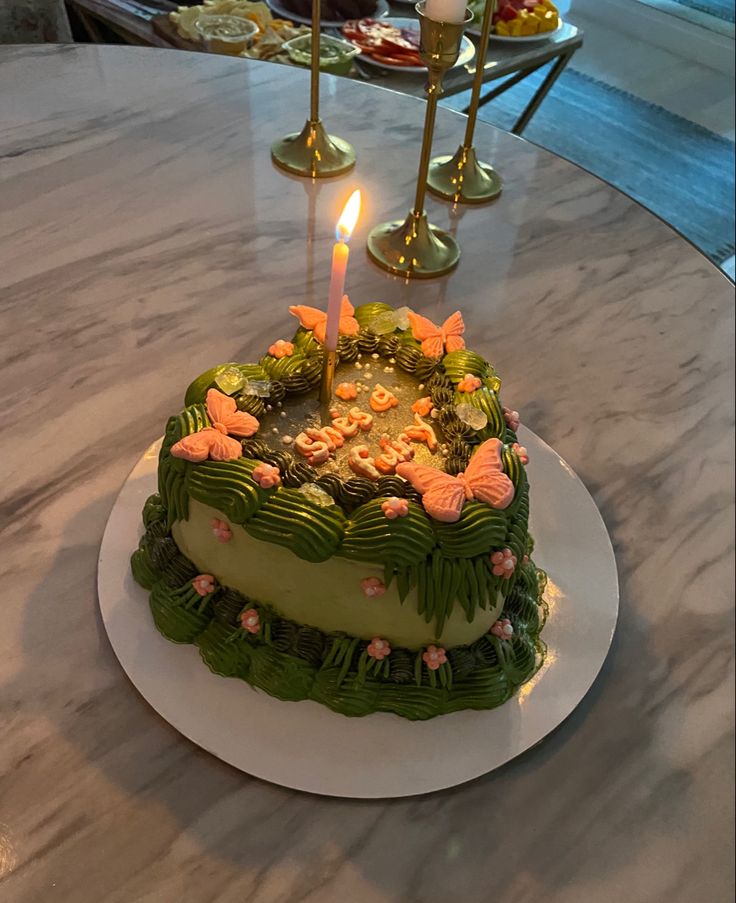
(304, 745)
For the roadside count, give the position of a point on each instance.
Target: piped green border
(296, 662)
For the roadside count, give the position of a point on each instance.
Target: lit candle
(445, 10)
(344, 230)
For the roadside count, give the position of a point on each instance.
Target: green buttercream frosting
(289, 519)
(458, 363)
(172, 472)
(441, 581)
(294, 662)
(478, 586)
(153, 511)
(518, 534)
(180, 614)
(513, 467)
(486, 400)
(311, 370)
(197, 391)
(305, 342)
(280, 367)
(226, 651)
(479, 529)
(364, 313)
(144, 571)
(172, 485)
(283, 676)
(192, 419)
(228, 486)
(439, 589)
(371, 536)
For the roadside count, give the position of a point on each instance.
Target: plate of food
(334, 13)
(226, 26)
(393, 43)
(517, 21)
(335, 56)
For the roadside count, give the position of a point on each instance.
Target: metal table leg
(541, 92)
(504, 86)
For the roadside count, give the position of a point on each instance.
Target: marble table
(144, 236)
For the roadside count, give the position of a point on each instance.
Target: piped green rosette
(448, 564)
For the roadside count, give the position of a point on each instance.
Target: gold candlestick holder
(328, 377)
(414, 247)
(461, 178)
(312, 152)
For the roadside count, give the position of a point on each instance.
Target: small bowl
(338, 61)
(226, 34)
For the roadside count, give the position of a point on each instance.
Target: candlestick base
(413, 248)
(328, 377)
(313, 153)
(462, 179)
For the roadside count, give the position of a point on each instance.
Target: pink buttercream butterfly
(213, 441)
(316, 320)
(443, 495)
(438, 339)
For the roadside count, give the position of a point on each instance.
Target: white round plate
(304, 745)
(520, 39)
(282, 12)
(467, 49)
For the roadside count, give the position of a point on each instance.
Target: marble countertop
(144, 236)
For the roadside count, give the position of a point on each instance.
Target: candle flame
(348, 217)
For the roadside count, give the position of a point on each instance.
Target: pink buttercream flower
(503, 629)
(267, 475)
(378, 648)
(346, 391)
(503, 563)
(433, 657)
(511, 418)
(204, 584)
(422, 406)
(372, 587)
(221, 529)
(250, 621)
(281, 348)
(395, 507)
(525, 559)
(521, 452)
(469, 383)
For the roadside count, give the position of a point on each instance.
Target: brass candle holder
(414, 247)
(461, 178)
(328, 377)
(312, 152)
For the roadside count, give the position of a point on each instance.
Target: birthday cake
(370, 552)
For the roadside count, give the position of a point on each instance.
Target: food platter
(467, 48)
(277, 7)
(474, 29)
(521, 39)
